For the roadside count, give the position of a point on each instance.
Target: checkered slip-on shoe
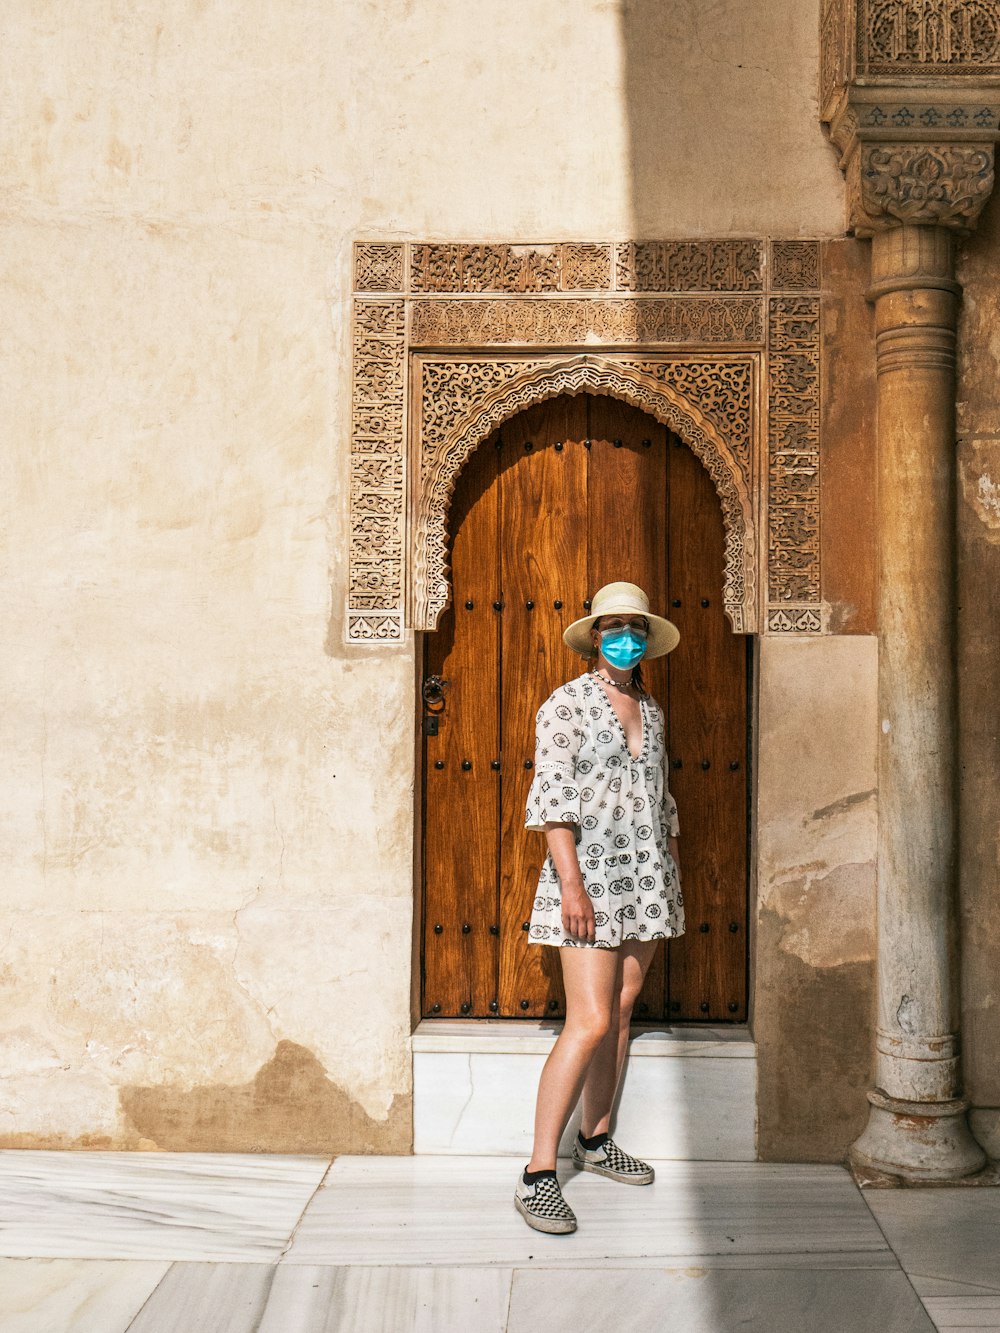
(609, 1160)
(543, 1207)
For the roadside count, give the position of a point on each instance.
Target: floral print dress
(622, 812)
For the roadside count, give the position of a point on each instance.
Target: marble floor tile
(388, 1300)
(257, 1298)
(453, 1210)
(708, 1300)
(152, 1205)
(957, 1312)
(74, 1295)
(223, 1298)
(943, 1234)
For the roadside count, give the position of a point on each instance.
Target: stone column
(917, 152)
(917, 1126)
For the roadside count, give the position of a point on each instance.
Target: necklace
(624, 688)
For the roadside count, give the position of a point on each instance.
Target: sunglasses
(638, 623)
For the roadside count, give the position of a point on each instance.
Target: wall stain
(815, 1053)
(844, 804)
(290, 1106)
(67, 1143)
(979, 487)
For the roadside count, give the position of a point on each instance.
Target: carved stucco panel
(695, 354)
(378, 459)
(793, 480)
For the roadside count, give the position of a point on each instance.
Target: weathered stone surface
(149, 1030)
(979, 667)
(815, 944)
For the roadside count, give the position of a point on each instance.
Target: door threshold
(525, 1036)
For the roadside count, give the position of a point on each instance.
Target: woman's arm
(577, 909)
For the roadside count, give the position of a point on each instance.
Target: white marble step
(688, 1094)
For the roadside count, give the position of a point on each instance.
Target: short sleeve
(554, 797)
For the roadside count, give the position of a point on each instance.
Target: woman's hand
(577, 909)
(578, 912)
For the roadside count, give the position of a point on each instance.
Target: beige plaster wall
(815, 946)
(206, 804)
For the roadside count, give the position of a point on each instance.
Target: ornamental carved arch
(707, 403)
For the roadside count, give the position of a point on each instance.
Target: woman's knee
(589, 1027)
(627, 997)
(631, 980)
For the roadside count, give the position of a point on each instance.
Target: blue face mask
(624, 647)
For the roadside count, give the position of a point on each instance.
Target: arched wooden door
(567, 496)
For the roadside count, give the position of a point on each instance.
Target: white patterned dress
(622, 812)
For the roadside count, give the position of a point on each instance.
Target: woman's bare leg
(605, 1069)
(590, 977)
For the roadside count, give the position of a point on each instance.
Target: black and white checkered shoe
(609, 1160)
(543, 1207)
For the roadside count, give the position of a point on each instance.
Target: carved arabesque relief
(889, 38)
(956, 34)
(464, 401)
(940, 184)
(689, 331)
(793, 498)
(378, 448)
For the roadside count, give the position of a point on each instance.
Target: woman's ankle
(540, 1165)
(599, 1128)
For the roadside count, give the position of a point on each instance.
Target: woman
(610, 885)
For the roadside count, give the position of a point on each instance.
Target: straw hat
(622, 599)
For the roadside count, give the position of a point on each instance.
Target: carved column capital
(916, 156)
(940, 184)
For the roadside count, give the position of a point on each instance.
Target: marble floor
(185, 1243)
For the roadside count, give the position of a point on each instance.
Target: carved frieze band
(708, 266)
(700, 379)
(679, 319)
(887, 38)
(793, 482)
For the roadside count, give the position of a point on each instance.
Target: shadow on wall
(722, 117)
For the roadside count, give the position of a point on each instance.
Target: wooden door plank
(708, 736)
(627, 540)
(543, 503)
(461, 804)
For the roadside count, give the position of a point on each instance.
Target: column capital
(910, 93)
